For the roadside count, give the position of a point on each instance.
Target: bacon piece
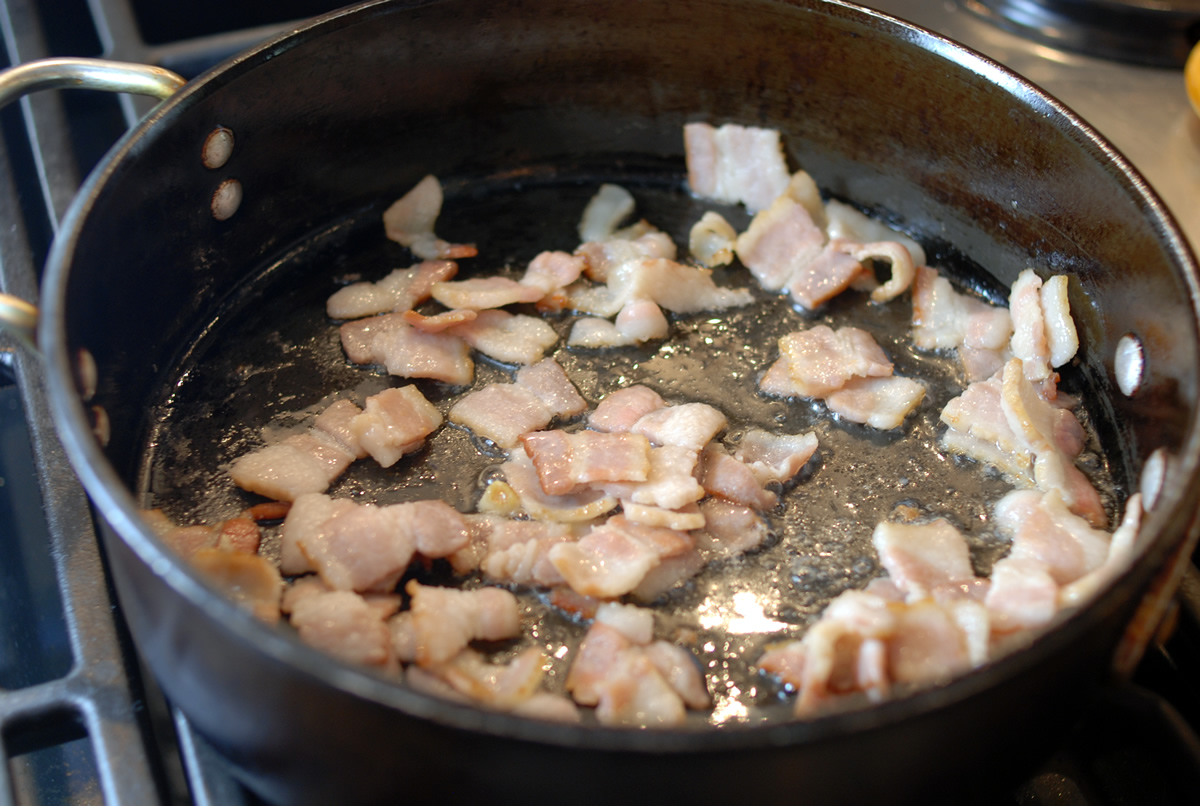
(484, 292)
(822, 360)
(1029, 326)
(640, 320)
(579, 507)
(725, 477)
(881, 403)
(501, 412)
(729, 530)
(893, 253)
(304, 521)
(927, 559)
(410, 220)
(824, 275)
(184, 540)
(678, 668)
(506, 337)
(943, 318)
(669, 574)
(980, 429)
(927, 646)
(399, 291)
(683, 519)
(406, 351)
(673, 286)
(1061, 337)
(518, 552)
(445, 620)
(502, 686)
(240, 535)
(612, 559)
(564, 461)
(711, 240)
(1043, 529)
(847, 223)
(687, 425)
(1023, 595)
(343, 624)
(249, 580)
(439, 322)
(605, 211)
(601, 257)
(775, 457)
(779, 243)
(551, 271)
(735, 164)
(670, 482)
(394, 422)
(1120, 554)
(621, 409)
(548, 380)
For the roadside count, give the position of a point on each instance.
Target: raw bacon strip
(881, 403)
(302, 463)
(687, 425)
(775, 457)
(410, 220)
(506, 337)
(406, 351)
(621, 409)
(725, 477)
(344, 625)
(565, 461)
(393, 423)
(399, 291)
(735, 164)
(445, 620)
(484, 292)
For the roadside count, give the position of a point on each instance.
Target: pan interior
(271, 359)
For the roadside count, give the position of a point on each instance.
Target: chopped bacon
(824, 275)
(249, 580)
(729, 529)
(605, 211)
(821, 359)
(579, 507)
(678, 668)
(504, 412)
(549, 381)
(711, 240)
(445, 620)
(240, 535)
(638, 321)
(735, 164)
(683, 519)
(406, 351)
(1029, 340)
(399, 291)
(410, 220)
(395, 422)
(897, 256)
(669, 574)
(846, 223)
(780, 242)
(436, 323)
(503, 686)
(304, 521)
(565, 461)
(670, 482)
(184, 540)
(506, 337)
(346, 626)
(687, 425)
(927, 646)
(926, 559)
(336, 421)
(603, 256)
(1043, 529)
(551, 271)
(484, 292)
(621, 409)
(673, 286)
(881, 403)
(612, 559)
(725, 477)
(943, 318)
(1061, 337)
(775, 457)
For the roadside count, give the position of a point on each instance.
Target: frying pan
(503, 98)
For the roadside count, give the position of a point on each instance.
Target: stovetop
(81, 724)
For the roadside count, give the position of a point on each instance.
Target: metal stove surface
(80, 724)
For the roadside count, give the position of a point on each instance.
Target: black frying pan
(508, 101)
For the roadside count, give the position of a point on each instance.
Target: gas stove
(81, 723)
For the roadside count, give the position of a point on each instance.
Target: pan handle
(17, 317)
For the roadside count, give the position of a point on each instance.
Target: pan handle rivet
(1129, 364)
(218, 148)
(226, 199)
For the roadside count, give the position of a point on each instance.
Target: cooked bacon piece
(1043, 529)
(484, 292)
(502, 686)
(400, 291)
(881, 403)
(501, 412)
(410, 220)
(601, 257)
(394, 422)
(1023, 595)
(551, 271)
(438, 529)
(565, 461)
(612, 559)
(927, 646)
(549, 381)
(640, 320)
(406, 351)
(735, 164)
(673, 286)
(927, 559)
(683, 519)
(980, 429)
(711, 240)
(184, 540)
(305, 521)
(605, 211)
(945, 319)
(670, 483)
(824, 275)
(343, 624)
(633, 622)
(846, 223)
(1120, 554)
(302, 463)
(621, 409)
(579, 507)
(519, 553)
(1029, 340)
(1061, 337)
(506, 337)
(249, 580)
(678, 668)
(240, 535)
(780, 242)
(668, 574)
(687, 425)
(445, 620)
(822, 360)
(725, 477)
(775, 457)
(440, 321)
(729, 529)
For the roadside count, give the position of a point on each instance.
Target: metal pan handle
(18, 317)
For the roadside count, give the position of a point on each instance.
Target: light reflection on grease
(746, 617)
